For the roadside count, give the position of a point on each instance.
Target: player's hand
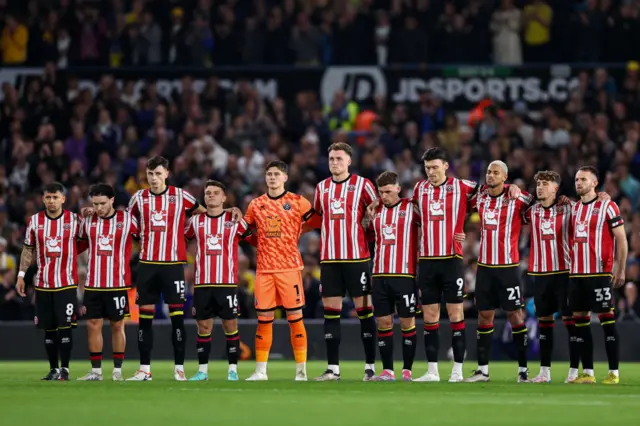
(83, 310)
(86, 211)
(371, 209)
(236, 214)
(514, 191)
(603, 196)
(20, 286)
(460, 237)
(618, 278)
(563, 200)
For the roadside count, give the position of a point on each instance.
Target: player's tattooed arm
(622, 250)
(25, 261)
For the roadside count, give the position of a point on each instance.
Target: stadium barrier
(23, 341)
(461, 87)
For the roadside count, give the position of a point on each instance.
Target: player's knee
(385, 322)
(117, 327)
(515, 317)
(607, 318)
(94, 325)
(205, 327)
(485, 317)
(332, 302)
(361, 301)
(431, 313)
(407, 323)
(455, 312)
(229, 326)
(546, 318)
(294, 316)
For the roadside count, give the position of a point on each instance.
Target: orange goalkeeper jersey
(278, 224)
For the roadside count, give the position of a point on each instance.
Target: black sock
(521, 339)
(485, 334)
(118, 359)
(409, 340)
(608, 323)
(66, 344)
(546, 341)
(332, 335)
(233, 346)
(96, 359)
(145, 336)
(432, 341)
(574, 349)
(367, 332)
(203, 347)
(178, 333)
(458, 341)
(385, 344)
(51, 347)
(585, 341)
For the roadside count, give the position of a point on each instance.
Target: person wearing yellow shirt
(537, 31)
(13, 42)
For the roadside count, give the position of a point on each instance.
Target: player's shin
(51, 347)
(585, 342)
(332, 337)
(367, 333)
(66, 344)
(608, 323)
(118, 342)
(409, 340)
(521, 340)
(385, 343)
(145, 338)
(203, 348)
(484, 334)
(94, 330)
(233, 348)
(459, 345)
(264, 339)
(178, 335)
(546, 327)
(298, 337)
(574, 349)
(432, 346)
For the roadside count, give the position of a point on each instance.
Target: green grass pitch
(281, 401)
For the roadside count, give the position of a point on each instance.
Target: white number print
(514, 293)
(409, 300)
(460, 284)
(120, 302)
(179, 287)
(70, 309)
(602, 294)
(233, 301)
(363, 278)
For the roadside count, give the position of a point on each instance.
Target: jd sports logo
(357, 83)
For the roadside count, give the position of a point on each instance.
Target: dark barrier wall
(461, 87)
(22, 341)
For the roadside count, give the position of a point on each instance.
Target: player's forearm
(622, 250)
(26, 258)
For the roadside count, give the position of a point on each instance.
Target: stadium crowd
(55, 132)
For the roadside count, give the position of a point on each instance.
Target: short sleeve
(613, 215)
(134, 230)
(82, 232)
(133, 205)
(415, 196)
(249, 217)
(469, 187)
(369, 195)
(190, 202)
(317, 202)
(243, 227)
(30, 234)
(189, 231)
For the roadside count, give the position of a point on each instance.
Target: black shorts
(551, 294)
(498, 288)
(221, 302)
(56, 309)
(590, 294)
(112, 305)
(340, 278)
(438, 277)
(391, 293)
(155, 280)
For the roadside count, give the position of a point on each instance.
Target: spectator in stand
(538, 18)
(13, 42)
(505, 25)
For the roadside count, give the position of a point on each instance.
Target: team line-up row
(572, 263)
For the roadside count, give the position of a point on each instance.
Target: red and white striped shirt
(217, 239)
(443, 210)
(55, 242)
(109, 242)
(396, 238)
(549, 237)
(591, 236)
(343, 206)
(162, 221)
(501, 220)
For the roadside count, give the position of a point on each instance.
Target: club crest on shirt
(351, 188)
(548, 230)
(490, 219)
(336, 208)
(214, 245)
(388, 234)
(286, 206)
(436, 210)
(119, 225)
(53, 246)
(402, 214)
(66, 227)
(158, 220)
(595, 212)
(105, 245)
(582, 231)
(228, 225)
(172, 199)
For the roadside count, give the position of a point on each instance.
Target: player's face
(495, 176)
(389, 194)
(436, 170)
(546, 190)
(53, 201)
(275, 178)
(585, 182)
(214, 197)
(157, 177)
(102, 205)
(339, 162)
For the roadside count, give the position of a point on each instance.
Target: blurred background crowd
(55, 130)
